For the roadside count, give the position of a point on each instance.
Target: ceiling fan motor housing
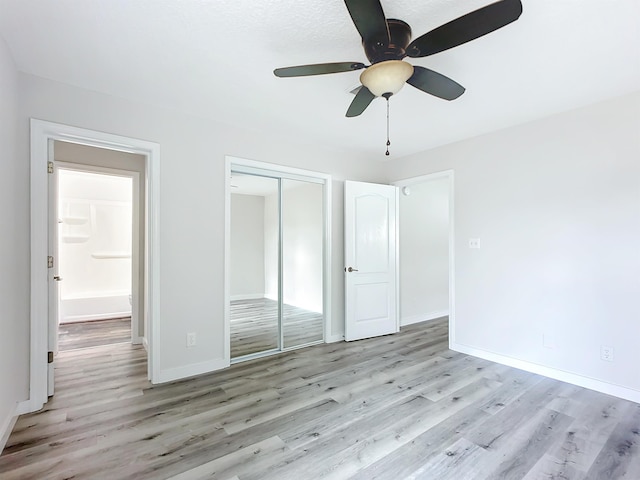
(392, 48)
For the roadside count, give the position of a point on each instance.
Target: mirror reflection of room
(276, 261)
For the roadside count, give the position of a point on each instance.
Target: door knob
(351, 269)
(57, 278)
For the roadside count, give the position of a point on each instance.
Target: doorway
(277, 259)
(43, 135)
(426, 247)
(98, 226)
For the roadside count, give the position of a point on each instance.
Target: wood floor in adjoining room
(91, 334)
(395, 407)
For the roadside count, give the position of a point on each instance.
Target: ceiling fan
(387, 41)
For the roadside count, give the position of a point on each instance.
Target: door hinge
(49, 357)
(50, 167)
(49, 261)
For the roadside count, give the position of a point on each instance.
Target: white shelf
(109, 255)
(75, 238)
(75, 220)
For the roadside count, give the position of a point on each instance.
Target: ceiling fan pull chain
(388, 142)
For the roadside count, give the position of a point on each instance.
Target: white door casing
(53, 276)
(41, 133)
(371, 260)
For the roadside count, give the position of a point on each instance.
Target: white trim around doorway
(41, 132)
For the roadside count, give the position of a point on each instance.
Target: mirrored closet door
(276, 262)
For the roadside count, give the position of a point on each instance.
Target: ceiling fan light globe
(386, 77)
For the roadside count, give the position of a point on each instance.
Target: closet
(276, 261)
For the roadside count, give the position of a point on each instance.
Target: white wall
(14, 252)
(247, 247)
(95, 238)
(424, 251)
(192, 204)
(556, 204)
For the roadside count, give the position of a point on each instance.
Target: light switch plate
(474, 243)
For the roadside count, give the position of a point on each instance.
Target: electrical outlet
(474, 243)
(191, 339)
(606, 353)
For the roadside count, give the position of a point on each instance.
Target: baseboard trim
(247, 296)
(572, 378)
(145, 343)
(192, 370)
(427, 317)
(94, 317)
(6, 427)
(28, 406)
(335, 338)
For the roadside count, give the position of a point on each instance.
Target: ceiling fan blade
(435, 83)
(466, 28)
(369, 19)
(360, 103)
(317, 69)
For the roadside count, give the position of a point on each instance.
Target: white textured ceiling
(215, 59)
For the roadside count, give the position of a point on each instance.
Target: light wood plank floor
(254, 326)
(91, 334)
(395, 407)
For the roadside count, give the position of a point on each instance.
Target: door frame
(449, 174)
(326, 267)
(136, 215)
(41, 132)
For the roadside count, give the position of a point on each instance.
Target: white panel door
(54, 275)
(371, 295)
